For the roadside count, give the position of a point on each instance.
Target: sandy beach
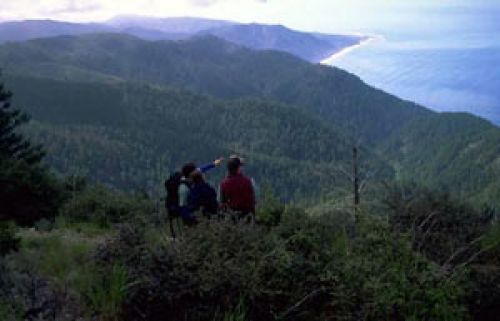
(345, 51)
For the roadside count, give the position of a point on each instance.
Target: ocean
(453, 67)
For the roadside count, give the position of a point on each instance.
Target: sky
(308, 15)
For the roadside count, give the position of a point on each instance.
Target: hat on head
(234, 163)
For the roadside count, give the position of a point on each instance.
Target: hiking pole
(170, 218)
(178, 226)
(172, 231)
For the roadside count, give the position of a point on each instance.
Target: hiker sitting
(237, 192)
(178, 187)
(202, 197)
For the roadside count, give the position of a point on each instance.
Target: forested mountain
(420, 144)
(309, 46)
(130, 136)
(218, 68)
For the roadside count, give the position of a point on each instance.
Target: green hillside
(130, 136)
(218, 68)
(457, 153)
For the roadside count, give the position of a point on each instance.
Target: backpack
(172, 185)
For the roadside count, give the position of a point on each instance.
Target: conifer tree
(28, 192)
(12, 144)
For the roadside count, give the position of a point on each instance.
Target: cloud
(71, 6)
(207, 3)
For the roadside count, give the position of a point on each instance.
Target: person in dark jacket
(237, 191)
(186, 184)
(202, 197)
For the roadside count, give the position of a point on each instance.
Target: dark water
(456, 67)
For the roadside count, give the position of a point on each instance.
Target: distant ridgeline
(309, 46)
(125, 111)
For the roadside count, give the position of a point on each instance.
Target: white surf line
(345, 51)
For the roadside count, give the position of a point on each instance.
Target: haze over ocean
(449, 64)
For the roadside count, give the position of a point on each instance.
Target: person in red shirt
(237, 190)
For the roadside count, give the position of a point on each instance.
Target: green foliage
(58, 255)
(492, 237)
(302, 269)
(11, 309)
(391, 282)
(104, 291)
(442, 228)
(455, 153)
(299, 268)
(26, 295)
(131, 137)
(457, 237)
(270, 209)
(28, 192)
(8, 240)
(239, 313)
(104, 206)
(14, 145)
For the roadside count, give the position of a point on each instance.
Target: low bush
(303, 269)
(438, 224)
(25, 295)
(9, 242)
(103, 291)
(104, 206)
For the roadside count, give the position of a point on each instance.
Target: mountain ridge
(309, 46)
(221, 69)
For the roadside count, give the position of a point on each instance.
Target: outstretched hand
(218, 161)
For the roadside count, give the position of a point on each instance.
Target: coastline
(346, 50)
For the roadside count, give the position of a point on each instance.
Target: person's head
(187, 169)
(234, 165)
(196, 177)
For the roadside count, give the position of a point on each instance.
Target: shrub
(104, 206)
(439, 225)
(270, 209)
(8, 240)
(27, 193)
(303, 269)
(104, 291)
(24, 295)
(383, 279)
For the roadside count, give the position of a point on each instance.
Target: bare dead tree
(355, 176)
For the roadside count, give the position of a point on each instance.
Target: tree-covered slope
(130, 135)
(222, 69)
(457, 153)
